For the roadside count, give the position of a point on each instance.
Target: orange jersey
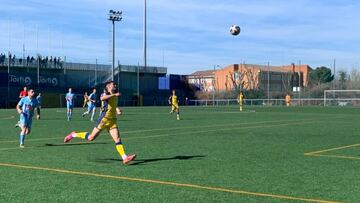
(287, 98)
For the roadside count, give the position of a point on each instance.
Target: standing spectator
(2, 59)
(60, 62)
(55, 64)
(13, 60)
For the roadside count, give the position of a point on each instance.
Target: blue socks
(68, 114)
(22, 139)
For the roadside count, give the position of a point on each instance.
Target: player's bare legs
(119, 146)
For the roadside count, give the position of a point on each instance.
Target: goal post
(341, 97)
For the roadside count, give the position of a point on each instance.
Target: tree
(354, 79)
(321, 75)
(342, 78)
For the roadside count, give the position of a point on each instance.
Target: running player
(102, 102)
(288, 100)
(107, 121)
(39, 100)
(91, 105)
(241, 100)
(25, 108)
(174, 102)
(23, 93)
(69, 103)
(86, 99)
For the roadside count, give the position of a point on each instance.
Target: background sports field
(276, 154)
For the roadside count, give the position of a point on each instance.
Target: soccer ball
(235, 30)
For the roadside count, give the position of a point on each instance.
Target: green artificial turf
(213, 154)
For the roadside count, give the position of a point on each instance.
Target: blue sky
(187, 35)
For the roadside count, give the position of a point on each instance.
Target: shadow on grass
(145, 161)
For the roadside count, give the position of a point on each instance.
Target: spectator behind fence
(2, 59)
(13, 59)
(44, 61)
(27, 60)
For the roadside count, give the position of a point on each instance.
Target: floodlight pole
(334, 74)
(138, 83)
(213, 95)
(113, 17)
(113, 51)
(268, 82)
(214, 84)
(145, 42)
(96, 63)
(299, 82)
(8, 82)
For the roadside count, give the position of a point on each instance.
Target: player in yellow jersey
(174, 102)
(241, 100)
(86, 99)
(106, 121)
(288, 100)
(118, 110)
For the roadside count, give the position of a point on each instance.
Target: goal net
(342, 98)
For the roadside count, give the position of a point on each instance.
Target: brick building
(251, 76)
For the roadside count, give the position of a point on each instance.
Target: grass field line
(182, 133)
(331, 149)
(334, 156)
(7, 118)
(174, 128)
(42, 146)
(179, 128)
(208, 126)
(183, 185)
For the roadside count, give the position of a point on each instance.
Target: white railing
(278, 102)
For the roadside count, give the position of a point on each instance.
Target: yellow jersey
(109, 107)
(174, 100)
(287, 98)
(241, 98)
(86, 98)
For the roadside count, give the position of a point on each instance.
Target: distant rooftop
(203, 73)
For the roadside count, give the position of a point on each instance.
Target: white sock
(92, 115)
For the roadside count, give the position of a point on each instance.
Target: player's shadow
(74, 144)
(146, 161)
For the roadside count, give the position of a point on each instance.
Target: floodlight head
(115, 15)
